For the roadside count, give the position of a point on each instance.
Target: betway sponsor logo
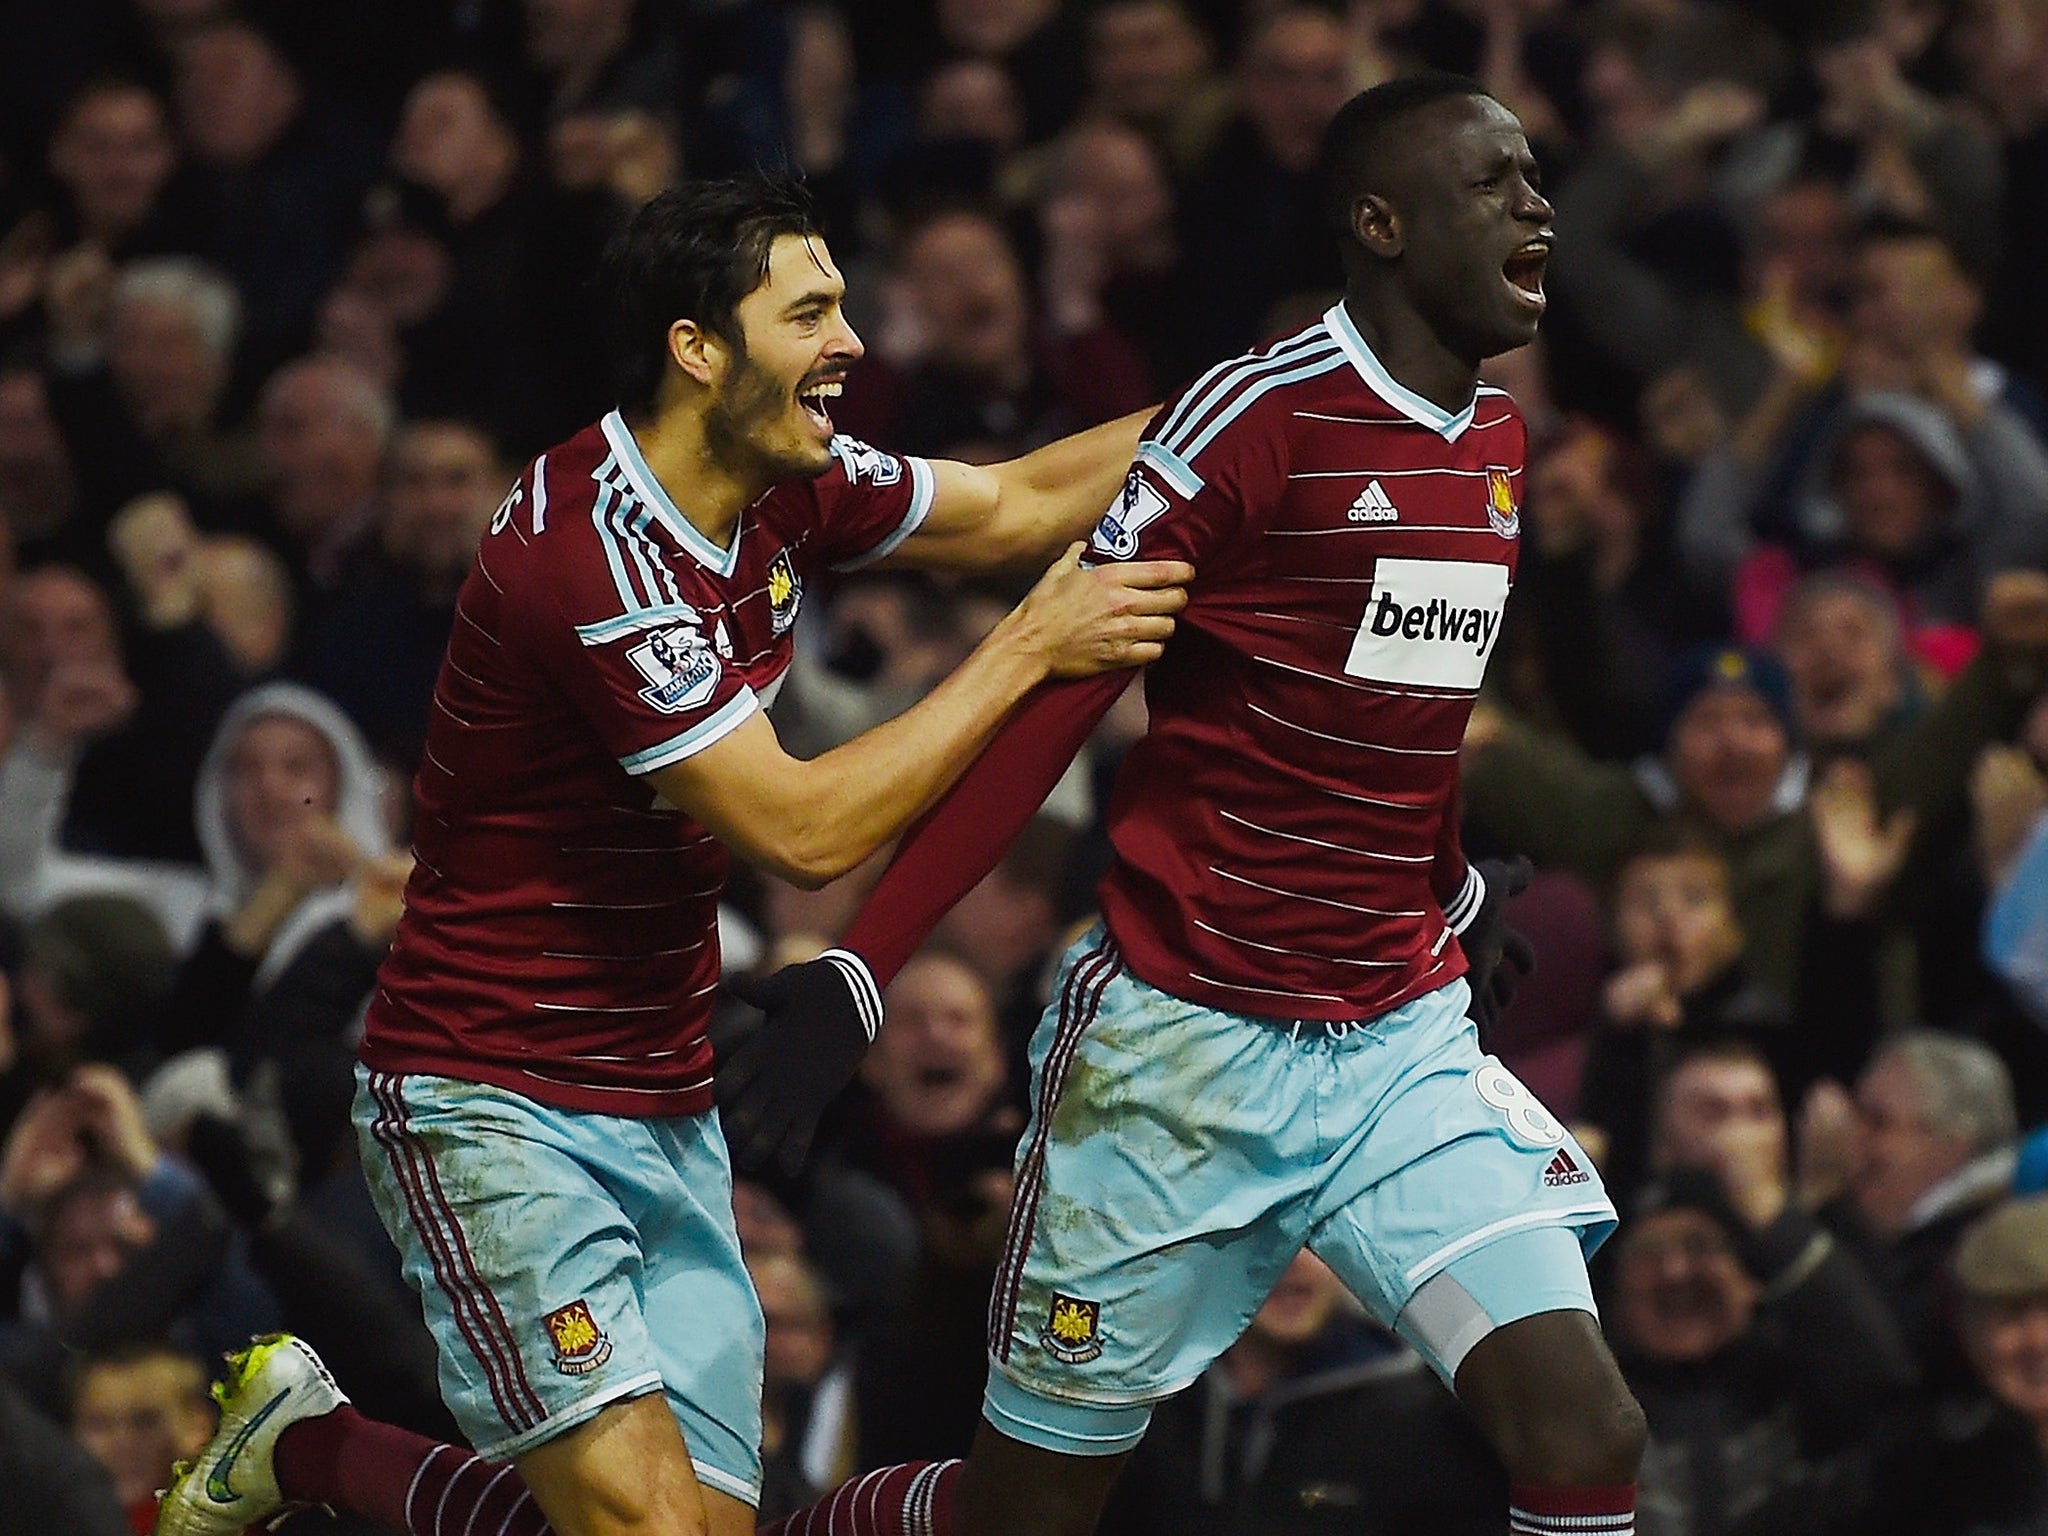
(1434, 620)
(1429, 622)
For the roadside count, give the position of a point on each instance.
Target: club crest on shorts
(580, 1345)
(1073, 1329)
(785, 591)
(1501, 510)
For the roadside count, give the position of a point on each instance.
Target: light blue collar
(647, 490)
(1423, 412)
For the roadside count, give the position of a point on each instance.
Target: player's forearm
(1058, 493)
(842, 806)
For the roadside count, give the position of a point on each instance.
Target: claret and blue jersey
(1276, 828)
(560, 928)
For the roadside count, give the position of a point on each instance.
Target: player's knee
(1601, 1443)
(1589, 1437)
(1550, 1397)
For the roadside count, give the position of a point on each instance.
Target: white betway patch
(1429, 622)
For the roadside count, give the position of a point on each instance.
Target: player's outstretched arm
(822, 1014)
(811, 821)
(1023, 510)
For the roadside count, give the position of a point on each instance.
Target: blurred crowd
(288, 291)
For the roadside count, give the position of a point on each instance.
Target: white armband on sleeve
(1463, 907)
(867, 997)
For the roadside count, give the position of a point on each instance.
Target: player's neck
(705, 488)
(1411, 351)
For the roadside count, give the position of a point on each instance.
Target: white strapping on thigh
(1443, 1316)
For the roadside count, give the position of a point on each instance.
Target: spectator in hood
(1913, 457)
(288, 918)
(253, 825)
(1899, 496)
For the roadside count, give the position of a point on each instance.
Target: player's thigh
(627, 1472)
(1162, 1186)
(703, 1318)
(527, 1264)
(1460, 1170)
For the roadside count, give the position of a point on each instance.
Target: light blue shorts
(566, 1261)
(1178, 1157)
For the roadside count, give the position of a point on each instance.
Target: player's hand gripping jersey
(560, 929)
(1285, 833)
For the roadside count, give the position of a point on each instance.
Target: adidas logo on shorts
(1565, 1170)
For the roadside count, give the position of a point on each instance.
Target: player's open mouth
(1524, 273)
(812, 398)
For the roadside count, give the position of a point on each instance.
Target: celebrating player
(535, 1095)
(1264, 1043)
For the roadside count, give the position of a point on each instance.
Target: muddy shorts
(566, 1261)
(1178, 1157)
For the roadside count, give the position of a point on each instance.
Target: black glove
(821, 1016)
(1496, 956)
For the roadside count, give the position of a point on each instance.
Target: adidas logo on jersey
(1373, 506)
(1563, 1170)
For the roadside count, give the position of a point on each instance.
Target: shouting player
(535, 1096)
(1264, 1044)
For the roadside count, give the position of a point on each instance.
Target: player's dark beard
(751, 400)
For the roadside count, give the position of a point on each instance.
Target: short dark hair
(1674, 838)
(1884, 228)
(80, 1365)
(1729, 1045)
(690, 253)
(106, 84)
(1354, 144)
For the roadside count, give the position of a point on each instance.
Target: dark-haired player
(535, 1096)
(1265, 1043)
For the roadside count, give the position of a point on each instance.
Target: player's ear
(696, 351)
(1376, 226)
